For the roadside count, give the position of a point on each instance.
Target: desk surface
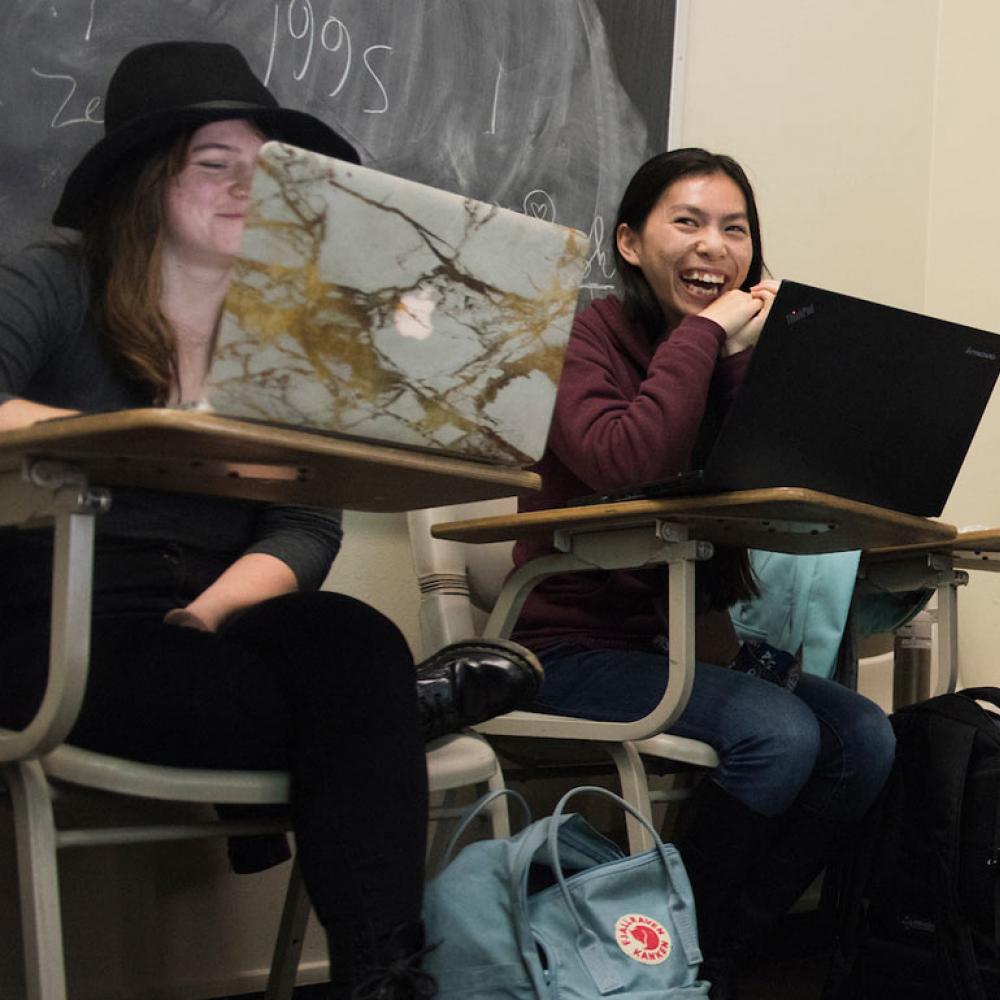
(966, 544)
(785, 519)
(189, 452)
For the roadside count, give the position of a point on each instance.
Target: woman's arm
(293, 549)
(251, 579)
(18, 413)
(624, 416)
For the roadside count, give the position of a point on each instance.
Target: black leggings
(316, 683)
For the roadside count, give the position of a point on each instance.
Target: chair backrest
(456, 579)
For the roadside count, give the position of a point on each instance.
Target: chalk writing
(316, 42)
(343, 39)
(496, 97)
(308, 31)
(378, 83)
(88, 112)
(539, 203)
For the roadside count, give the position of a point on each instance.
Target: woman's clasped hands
(742, 314)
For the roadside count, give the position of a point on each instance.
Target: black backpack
(919, 902)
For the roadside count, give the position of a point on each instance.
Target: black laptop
(848, 397)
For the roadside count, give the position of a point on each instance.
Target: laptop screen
(857, 399)
(371, 306)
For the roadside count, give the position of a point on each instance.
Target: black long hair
(727, 577)
(643, 192)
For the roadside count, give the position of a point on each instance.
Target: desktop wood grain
(202, 453)
(785, 519)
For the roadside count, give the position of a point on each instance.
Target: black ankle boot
(386, 970)
(719, 850)
(470, 682)
(803, 845)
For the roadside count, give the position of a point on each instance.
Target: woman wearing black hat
(211, 646)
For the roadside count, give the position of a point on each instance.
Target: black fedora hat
(162, 89)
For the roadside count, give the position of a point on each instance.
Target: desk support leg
(947, 638)
(69, 646)
(520, 583)
(681, 659)
(41, 920)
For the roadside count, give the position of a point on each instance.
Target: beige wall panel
(962, 265)
(828, 106)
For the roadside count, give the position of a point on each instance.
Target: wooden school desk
(679, 533)
(939, 566)
(62, 470)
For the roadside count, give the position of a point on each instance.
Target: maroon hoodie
(627, 411)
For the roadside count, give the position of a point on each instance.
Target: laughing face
(694, 246)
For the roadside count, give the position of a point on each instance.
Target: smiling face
(694, 245)
(207, 201)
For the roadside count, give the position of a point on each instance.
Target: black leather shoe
(470, 682)
(397, 974)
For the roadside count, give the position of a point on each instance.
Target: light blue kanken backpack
(559, 913)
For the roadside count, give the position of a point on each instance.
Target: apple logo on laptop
(412, 316)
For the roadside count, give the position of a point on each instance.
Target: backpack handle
(990, 694)
(475, 809)
(592, 951)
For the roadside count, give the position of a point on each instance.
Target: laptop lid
(865, 401)
(375, 307)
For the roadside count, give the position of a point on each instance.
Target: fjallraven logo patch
(642, 938)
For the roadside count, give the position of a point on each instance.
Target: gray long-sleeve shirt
(51, 352)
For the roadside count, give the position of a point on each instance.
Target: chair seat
(452, 761)
(678, 748)
(157, 781)
(459, 759)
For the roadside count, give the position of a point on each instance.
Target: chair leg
(441, 832)
(38, 877)
(499, 810)
(635, 791)
(291, 933)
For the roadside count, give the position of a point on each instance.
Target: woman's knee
(787, 737)
(326, 635)
(869, 742)
(318, 616)
(776, 751)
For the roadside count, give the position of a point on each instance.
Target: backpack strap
(992, 695)
(940, 734)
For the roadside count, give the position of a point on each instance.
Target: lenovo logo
(985, 355)
(801, 313)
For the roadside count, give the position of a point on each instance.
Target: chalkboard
(543, 106)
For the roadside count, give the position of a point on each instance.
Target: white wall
(961, 279)
(828, 105)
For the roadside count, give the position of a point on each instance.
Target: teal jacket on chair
(804, 602)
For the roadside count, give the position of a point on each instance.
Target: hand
(747, 335)
(733, 310)
(185, 619)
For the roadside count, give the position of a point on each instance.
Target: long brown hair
(121, 244)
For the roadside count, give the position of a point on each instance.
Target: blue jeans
(824, 748)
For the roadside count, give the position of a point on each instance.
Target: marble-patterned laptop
(375, 307)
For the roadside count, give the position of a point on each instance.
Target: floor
(783, 975)
(788, 979)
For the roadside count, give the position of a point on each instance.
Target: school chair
(458, 579)
(42, 773)
(38, 785)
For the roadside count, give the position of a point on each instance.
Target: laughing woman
(646, 382)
